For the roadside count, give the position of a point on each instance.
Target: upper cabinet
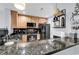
(20, 20)
(42, 21)
(14, 17)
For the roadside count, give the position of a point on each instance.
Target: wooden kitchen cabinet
(42, 21)
(22, 21)
(14, 17)
(24, 38)
(35, 20)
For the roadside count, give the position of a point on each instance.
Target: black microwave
(31, 24)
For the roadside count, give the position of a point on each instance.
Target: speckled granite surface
(32, 48)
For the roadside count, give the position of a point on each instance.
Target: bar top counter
(42, 47)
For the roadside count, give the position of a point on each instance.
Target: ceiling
(35, 9)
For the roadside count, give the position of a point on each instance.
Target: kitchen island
(42, 47)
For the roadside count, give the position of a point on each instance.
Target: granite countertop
(32, 48)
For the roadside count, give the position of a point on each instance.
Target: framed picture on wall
(60, 20)
(56, 22)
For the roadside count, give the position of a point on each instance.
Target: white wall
(5, 19)
(69, 9)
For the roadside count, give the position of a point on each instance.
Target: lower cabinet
(24, 38)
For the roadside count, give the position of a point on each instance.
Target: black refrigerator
(44, 31)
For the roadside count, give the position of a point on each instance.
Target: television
(31, 24)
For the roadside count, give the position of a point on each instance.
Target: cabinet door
(35, 20)
(21, 22)
(14, 16)
(24, 38)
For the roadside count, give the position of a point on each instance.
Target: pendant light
(56, 11)
(19, 6)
